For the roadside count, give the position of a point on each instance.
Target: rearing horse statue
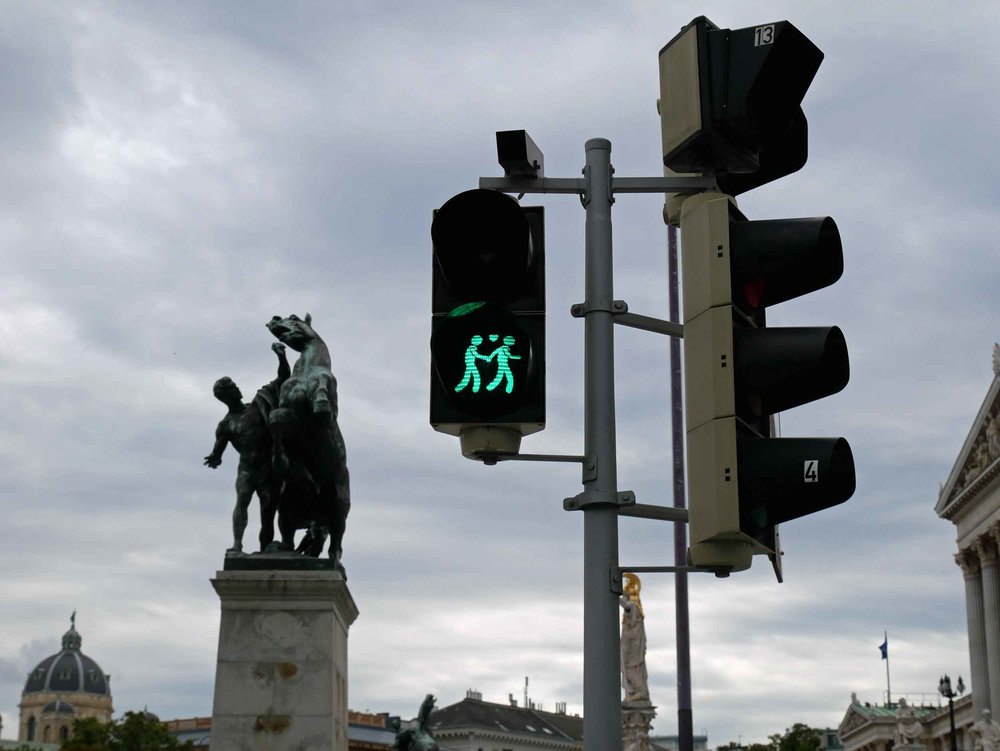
(309, 457)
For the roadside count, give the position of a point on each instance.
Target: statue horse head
(293, 331)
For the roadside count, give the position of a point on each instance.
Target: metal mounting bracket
(647, 323)
(579, 310)
(585, 499)
(617, 571)
(685, 185)
(490, 458)
(651, 511)
(619, 308)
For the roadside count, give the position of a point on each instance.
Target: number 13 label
(763, 35)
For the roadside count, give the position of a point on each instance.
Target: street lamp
(944, 688)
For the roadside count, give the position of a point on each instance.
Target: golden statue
(635, 680)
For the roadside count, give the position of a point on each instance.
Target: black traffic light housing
(730, 101)
(488, 321)
(738, 373)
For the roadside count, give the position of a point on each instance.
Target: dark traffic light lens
(784, 478)
(482, 243)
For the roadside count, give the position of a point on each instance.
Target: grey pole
(602, 730)
(685, 723)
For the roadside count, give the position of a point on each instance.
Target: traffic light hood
(730, 101)
(483, 245)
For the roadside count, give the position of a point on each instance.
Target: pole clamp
(589, 498)
(580, 309)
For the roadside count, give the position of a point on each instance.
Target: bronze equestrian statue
(292, 454)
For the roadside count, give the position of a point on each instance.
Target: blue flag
(884, 648)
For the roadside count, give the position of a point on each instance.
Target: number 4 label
(763, 35)
(811, 473)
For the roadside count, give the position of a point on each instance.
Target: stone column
(987, 549)
(281, 675)
(969, 562)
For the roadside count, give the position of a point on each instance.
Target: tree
(800, 737)
(136, 731)
(89, 734)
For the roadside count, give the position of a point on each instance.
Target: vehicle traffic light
(730, 101)
(738, 373)
(488, 321)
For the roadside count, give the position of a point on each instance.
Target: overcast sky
(174, 174)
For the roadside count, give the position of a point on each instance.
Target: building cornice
(488, 734)
(978, 461)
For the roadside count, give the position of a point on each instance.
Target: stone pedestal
(909, 747)
(636, 719)
(281, 674)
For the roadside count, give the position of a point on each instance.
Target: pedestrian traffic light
(738, 373)
(488, 321)
(730, 101)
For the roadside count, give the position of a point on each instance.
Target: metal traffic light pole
(601, 501)
(685, 722)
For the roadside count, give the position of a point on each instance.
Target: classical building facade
(63, 687)
(873, 727)
(970, 499)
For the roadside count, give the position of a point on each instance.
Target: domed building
(64, 687)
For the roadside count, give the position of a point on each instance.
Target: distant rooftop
(510, 718)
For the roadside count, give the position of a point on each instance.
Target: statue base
(282, 561)
(909, 747)
(637, 716)
(281, 672)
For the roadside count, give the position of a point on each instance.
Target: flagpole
(888, 686)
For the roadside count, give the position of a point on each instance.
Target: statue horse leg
(320, 386)
(268, 496)
(335, 490)
(280, 421)
(341, 508)
(342, 479)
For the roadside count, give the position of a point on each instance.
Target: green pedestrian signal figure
(503, 355)
(471, 366)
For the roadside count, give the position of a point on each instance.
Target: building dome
(63, 687)
(69, 671)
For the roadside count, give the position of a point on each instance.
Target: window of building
(63, 733)
(31, 728)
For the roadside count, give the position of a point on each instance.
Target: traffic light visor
(774, 260)
(784, 478)
(730, 100)
(780, 368)
(482, 243)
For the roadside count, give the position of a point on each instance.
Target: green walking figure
(471, 367)
(503, 354)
